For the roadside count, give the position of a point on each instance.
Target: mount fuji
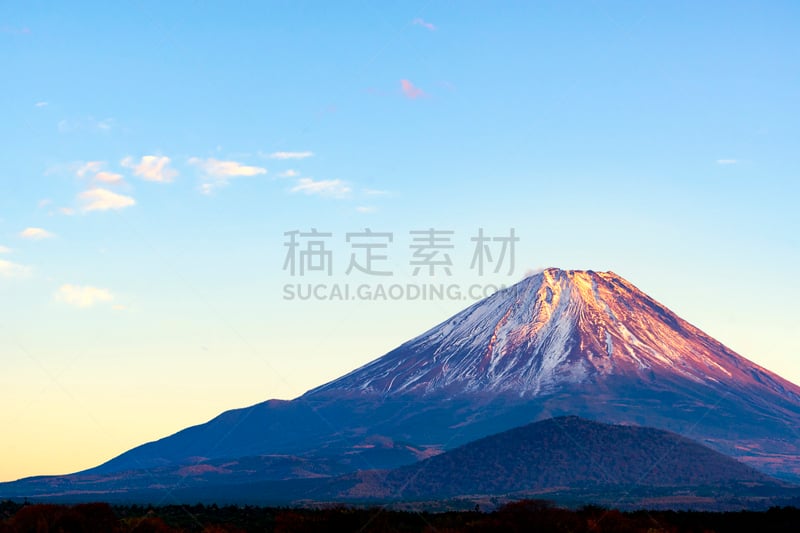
(558, 343)
(556, 329)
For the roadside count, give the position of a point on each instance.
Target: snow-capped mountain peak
(554, 328)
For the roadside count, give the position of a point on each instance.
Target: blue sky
(165, 148)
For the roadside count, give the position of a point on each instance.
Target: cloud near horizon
(13, 270)
(151, 168)
(82, 296)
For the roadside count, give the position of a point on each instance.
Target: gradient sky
(154, 154)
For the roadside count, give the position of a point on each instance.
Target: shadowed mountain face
(557, 343)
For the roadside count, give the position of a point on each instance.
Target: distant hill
(567, 453)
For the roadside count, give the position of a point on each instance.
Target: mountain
(556, 329)
(561, 342)
(591, 344)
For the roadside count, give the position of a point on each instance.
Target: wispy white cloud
(151, 168)
(376, 192)
(36, 234)
(366, 209)
(289, 173)
(11, 30)
(332, 188)
(410, 91)
(98, 199)
(5, 250)
(111, 178)
(82, 296)
(41, 104)
(421, 22)
(96, 167)
(68, 211)
(217, 173)
(727, 161)
(85, 124)
(215, 168)
(89, 167)
(13, 270)
(290, 155)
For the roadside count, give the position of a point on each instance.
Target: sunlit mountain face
(560, 328)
